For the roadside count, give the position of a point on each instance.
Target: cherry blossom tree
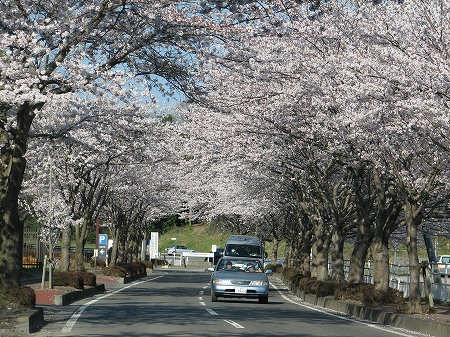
(120, 48)
(353, 84)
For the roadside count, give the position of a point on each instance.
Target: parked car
(233, 277)
(178, 249)
(444, 265)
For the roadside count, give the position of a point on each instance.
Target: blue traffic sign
(103, 239)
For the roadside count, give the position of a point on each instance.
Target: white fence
(186, 258)
(399, 279)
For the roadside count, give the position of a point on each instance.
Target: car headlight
(222, 282)
(258, 283)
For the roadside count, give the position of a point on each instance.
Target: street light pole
(50, 266)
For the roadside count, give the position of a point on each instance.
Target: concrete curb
(73, 296)
(403, 321)
(31, 321)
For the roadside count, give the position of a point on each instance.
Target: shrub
(308, 284)
(68, 279)
(296, 279)
(289, 273)
(391, 296)
(273, 267)
(89, 279)
(148, 264)
(23, 297)
(139, 268)
(116, 270)
(327, 288)
(279, 268)
(130, 269)
(366, 293)
(353, 291)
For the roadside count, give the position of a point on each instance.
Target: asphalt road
(176, 302)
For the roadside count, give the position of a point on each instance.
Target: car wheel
(264, 299)
(213, 297)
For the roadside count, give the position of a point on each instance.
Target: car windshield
(445, 259)
(243, 250)
(240, 265)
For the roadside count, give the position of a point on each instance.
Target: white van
(444, 265)
(245, 246)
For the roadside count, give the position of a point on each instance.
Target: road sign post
(103, 248)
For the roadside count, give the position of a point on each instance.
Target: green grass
(201, 237)
(198, 237)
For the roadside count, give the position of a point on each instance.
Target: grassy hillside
(200, 237)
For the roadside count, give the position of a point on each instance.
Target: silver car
(178, 249)
(240, 278)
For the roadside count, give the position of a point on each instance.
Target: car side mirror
(210, 269)
(269, 272)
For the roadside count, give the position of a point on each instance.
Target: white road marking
(236, 325)
(212, 312)
(71, 322)
(342, 317)
(202, 303)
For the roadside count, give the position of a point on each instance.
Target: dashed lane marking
(236, 325)
(212, 312)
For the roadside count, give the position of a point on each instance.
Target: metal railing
(187, 258)
(399, 278)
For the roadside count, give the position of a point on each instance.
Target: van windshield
(243, 250)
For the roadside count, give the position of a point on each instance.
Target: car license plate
(240, 290)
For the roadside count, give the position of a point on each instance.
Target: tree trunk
(319, 262)
(122, 248)
(388, 209)
(144, 246)
(64, 263)
(380, 254)
(320, 245)
(11, 243)
(287, 256)
(412, 220)
(337, 255)
(12, 155)
(432, 259)
(295, 255)
(276, 245)
(305, 265)
(80, 241)
(305, 253)
(358, 261)
(115, 247)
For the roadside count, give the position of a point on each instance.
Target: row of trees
(329, 130)
(77, 112)
(311, 122)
